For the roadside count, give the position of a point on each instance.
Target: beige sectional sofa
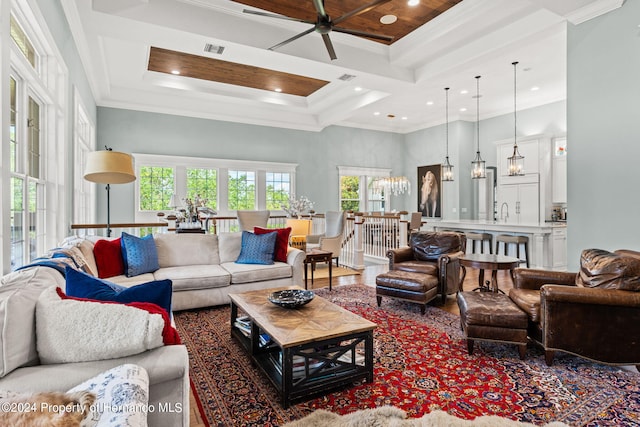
(203, 272)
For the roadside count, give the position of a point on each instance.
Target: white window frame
(47, 84)
(84, 139)
(363, 173)
(181, 164)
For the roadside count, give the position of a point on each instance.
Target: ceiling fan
(324, 24)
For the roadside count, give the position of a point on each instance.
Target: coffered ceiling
(211, 59)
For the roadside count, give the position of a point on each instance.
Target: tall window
(242, 190)
(356, 190)
(350, 193)
(156, 187)
(83, 190)
(278, 189)
(204, 183)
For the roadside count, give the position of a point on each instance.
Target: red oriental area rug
(421, 364)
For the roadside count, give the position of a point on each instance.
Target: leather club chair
(593, 314)
(431, 253)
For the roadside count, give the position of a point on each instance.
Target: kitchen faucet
(502, 216)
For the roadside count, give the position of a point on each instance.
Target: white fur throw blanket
(388, 416)
(79, 331)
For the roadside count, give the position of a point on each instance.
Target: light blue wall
(603, 117)
(427, 146)
(318, 154)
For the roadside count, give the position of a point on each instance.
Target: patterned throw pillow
(257, 248)
(140, 254)
(82, 285)
(123, 396)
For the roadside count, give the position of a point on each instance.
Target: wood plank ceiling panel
(409, 17)
(200, 67)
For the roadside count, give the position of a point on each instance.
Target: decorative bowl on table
(291, 298)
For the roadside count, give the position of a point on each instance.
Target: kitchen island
(547, 240)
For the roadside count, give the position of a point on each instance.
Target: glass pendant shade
(447, 168)
(515, 163)
(478, 166)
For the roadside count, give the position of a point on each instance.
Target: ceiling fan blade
(362, 9)
(273, 15)
(363, 34)
(319, 5)
(296, 37)
(329, 46)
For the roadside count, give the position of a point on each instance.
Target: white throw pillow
(123, 396)
(68, 330)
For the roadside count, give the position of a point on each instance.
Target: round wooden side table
(491, 262)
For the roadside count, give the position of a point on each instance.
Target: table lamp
(300, 229)
(109, 167)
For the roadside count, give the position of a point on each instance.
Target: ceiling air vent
(346, 77)
(213, 48)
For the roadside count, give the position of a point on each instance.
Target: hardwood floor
(368, 277)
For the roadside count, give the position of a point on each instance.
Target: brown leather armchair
(593, 313)
(433, 253)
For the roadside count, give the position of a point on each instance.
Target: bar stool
(508, 239)
(480, 237)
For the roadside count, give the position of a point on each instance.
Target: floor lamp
(109, 167)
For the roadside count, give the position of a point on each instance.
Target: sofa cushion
(19, 294)
(282, 241)
(604, 269)
(86, 247)
(123, 396)
(424, 267)
(127, 282)
(247, 273)
(528, 300)
(140, 254)
(429, 246)
(108, 256)
(82, 285)
(74, 330)
(176, 250)
(195, 277)
(229, 246)
(257, 248)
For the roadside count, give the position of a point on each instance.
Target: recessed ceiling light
(377, 113)
(388, 19)
(463, 109)
(464, 91)
(278, 89)
(429, 102)
(357, 88)
(535, 88)
(413, 2)
(176, 72)
(404, 118)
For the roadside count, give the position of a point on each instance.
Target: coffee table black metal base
(310, 369)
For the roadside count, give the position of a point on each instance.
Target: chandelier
(478, 168)
(516, 161)
(447, 168)
(391, 185)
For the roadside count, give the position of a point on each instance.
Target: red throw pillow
(282, 241)
(108, 255)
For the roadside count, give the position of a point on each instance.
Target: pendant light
(478, 167)
(447, 168)
(515, 163)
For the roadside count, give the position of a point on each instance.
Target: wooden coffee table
(489, 262)
(311, 349)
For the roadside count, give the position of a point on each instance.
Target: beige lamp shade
(109, 167)
(299, 227)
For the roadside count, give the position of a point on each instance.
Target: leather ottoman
(407, 286)
(489, 316)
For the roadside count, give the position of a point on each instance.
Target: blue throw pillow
(83, 285)
(139, 254)
(257, 248)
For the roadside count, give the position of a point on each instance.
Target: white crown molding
(593, 10)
